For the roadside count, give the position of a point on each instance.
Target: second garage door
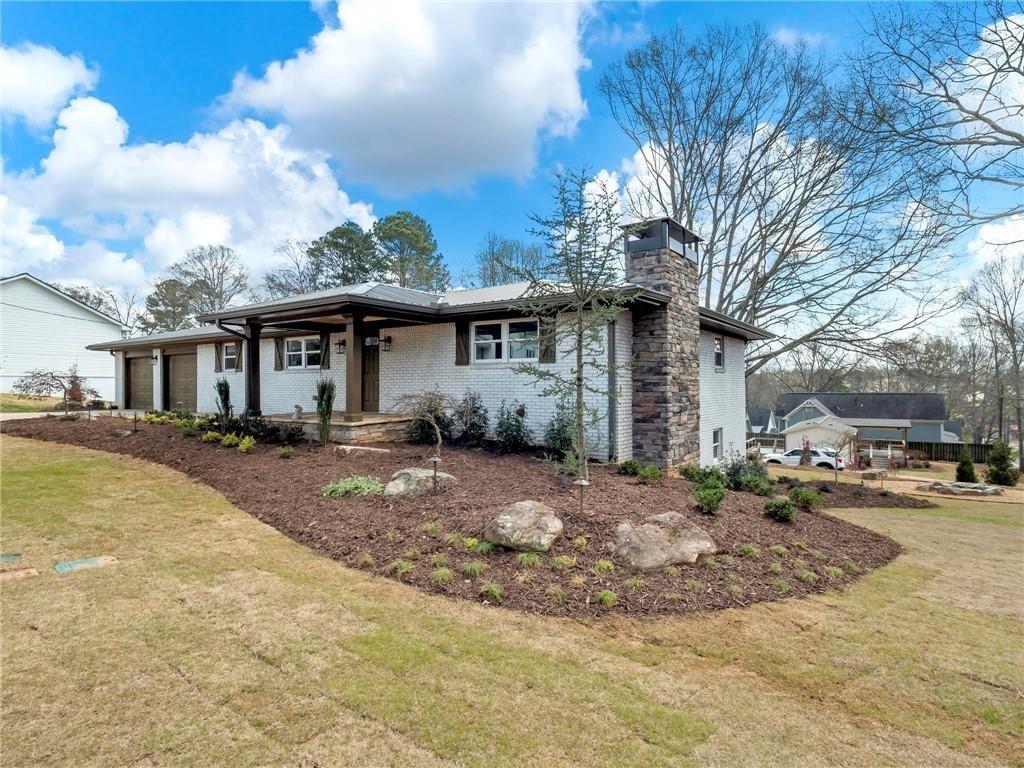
(181, 382)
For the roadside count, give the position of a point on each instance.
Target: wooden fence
(949, 451)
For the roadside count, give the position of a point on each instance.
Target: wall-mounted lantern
(340, 346)
(385, 343)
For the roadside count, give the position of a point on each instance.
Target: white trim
(504, 341)
(224, 357)
(305, 352)
(718, 343)
(44, 284)
(717, 437)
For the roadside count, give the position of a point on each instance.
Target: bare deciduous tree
(500, 259)
(214, 275)
(300, 273)
(995, 300)
(945, 82)
(41, 382)
(812, 228)
(124, 304)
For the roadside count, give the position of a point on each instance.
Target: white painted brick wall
(281, 391)
(723, 397)
(423, 357)
(206, 377)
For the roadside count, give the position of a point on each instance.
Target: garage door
(140, 383)
(181, 382)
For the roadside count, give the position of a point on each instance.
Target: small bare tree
(42, 382)
(574, 285)
(214, 276)
(995, 300)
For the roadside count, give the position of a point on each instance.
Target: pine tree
(1000, 466)
(965, 469)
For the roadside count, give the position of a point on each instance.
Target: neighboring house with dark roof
(41, 327)
(876, 415)
(761, 421)
(673, 371)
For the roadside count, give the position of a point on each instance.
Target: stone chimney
(661, 255)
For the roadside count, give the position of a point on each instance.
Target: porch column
(252, 369)
(354, 368)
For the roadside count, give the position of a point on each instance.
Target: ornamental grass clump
(491, 591)
(324, 408)
(361, 485)
(606, 598)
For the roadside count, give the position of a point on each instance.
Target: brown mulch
(285, 493)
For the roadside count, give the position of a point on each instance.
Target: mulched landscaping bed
(285, 493)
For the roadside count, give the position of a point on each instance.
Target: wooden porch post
(252, 369)
(354, 368)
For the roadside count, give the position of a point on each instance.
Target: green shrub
(560, 432)
(511, 431)
(630, 467)
(230, 440)
(691, 472)
(556, 594)
(285, 452)
(246, 444)
(211, 437)
(491, 590)
(607, 598)
(1000, 466)
(758, 486)
(431, 528)
(965, 469)
(401, 568)
(187, 430)
(470, 542)
(805, 498)
(471, 419)
(635, 584)
(361, 485)
(474, 568)
(740, 471)
(709, 494)
(782, 510)
(529, 559)
(650, 474)
(437, 405)
(442, 576)
(749, 550)
(604, 567)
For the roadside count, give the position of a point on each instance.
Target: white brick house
(671, 388)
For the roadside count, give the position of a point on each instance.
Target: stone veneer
(666, 360)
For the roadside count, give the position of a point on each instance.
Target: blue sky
(169, 71)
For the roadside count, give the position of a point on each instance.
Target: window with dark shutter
(547, 340)
(218, 357)
(278, 354)
(325, 351)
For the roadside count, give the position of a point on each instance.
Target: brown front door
(371, 379)
(181, 382)
(140, 383)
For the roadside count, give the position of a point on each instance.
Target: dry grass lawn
(215, 641)
(13, 404)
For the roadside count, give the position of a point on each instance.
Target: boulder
(961, 489)
(417, 482)
(665, 539)
(529, 526)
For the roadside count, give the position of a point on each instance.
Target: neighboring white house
(670, 387)
(43, 327)
(823, 432)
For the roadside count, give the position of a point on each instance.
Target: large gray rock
(416, 482)
(529, 526)
(665, 539)
(961, 489)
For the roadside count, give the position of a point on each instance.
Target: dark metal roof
(758, 417)
(917, 406)
(730, 326)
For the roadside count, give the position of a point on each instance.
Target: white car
(825, 458)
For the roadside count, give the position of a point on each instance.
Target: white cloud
(36, 82)
(24, 243)
(244, 186)
(415, 95)
(790, 37)
(991, 240)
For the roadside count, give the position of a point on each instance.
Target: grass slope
(14, 404)
(217, 640)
